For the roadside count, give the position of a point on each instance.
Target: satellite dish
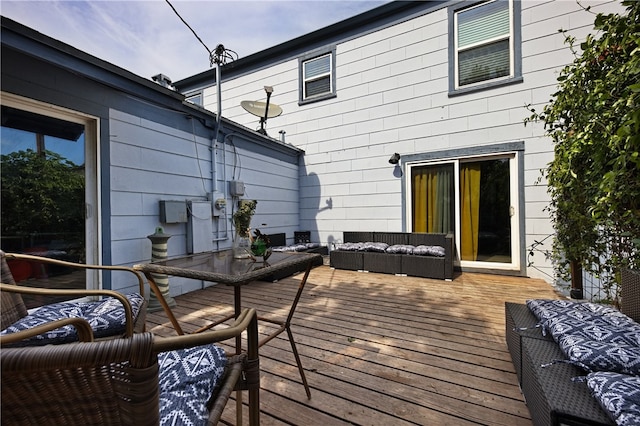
(260, 109)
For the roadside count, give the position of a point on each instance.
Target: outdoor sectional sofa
(402, 253)
(578, 363)
(278, 242)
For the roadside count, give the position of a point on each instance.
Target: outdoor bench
(278, 242)
(427, 255)
(573, 359)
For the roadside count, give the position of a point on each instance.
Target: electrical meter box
(173, 211)
(236, 188)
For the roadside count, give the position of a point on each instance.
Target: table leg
(237, 307)
(286, 325)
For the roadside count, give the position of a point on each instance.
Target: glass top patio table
(223, 268)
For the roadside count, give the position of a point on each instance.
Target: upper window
(195, 99)
(485, 48)
(317, 77)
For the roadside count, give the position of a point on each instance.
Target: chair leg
(299, 362)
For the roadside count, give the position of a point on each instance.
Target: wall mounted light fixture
(395, 158)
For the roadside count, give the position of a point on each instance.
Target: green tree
(593, 119)
(41, 193)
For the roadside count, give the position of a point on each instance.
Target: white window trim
(93, 207)
(516, 226)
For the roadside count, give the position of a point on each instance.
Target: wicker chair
(122, 382)
(14, 311)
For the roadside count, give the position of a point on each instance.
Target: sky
(147, 38)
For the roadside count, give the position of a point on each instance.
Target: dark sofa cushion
(618, 394)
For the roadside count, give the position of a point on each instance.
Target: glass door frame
(516, 197)
(93, 237)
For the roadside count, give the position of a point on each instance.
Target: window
(317, 77)
(485, 47)
(195, 99)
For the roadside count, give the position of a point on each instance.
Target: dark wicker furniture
(116, 382)
(389, 263)
(552, 396)
(280, 240)
(13, 307)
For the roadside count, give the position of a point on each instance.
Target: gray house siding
(393, 94)
(151, 146)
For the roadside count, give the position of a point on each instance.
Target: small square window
(485, 44)
(317, 77)
(195, 99)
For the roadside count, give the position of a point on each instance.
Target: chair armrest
(85, 333)
(50, 261)
(246, 321)
(128, 310)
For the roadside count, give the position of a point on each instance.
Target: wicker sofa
(393, 261)
(563, 392)
(278, 242)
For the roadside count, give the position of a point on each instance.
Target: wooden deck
(381, 350)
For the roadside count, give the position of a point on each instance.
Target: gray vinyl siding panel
(393, 96)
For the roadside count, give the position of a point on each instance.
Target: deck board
(379, 349)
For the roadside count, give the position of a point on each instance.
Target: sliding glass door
(473, 198)
(49, 190)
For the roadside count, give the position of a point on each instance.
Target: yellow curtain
(470, 210)
(431, 196)
(419, 202)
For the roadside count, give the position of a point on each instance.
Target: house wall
(150, 147)
(151, 161)
(392, 96)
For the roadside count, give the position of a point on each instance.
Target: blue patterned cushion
(594, 355)
(423, 250)
(618, 394)
(187, 380)
(547, 312)
(594, 328)
(106, 317)
(592, 336)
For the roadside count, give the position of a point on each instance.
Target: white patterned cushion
(106, 317)
(400, 249)
(349, 246)
(618, 394)
(375, 247)
(423, 250)
(187, 380)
